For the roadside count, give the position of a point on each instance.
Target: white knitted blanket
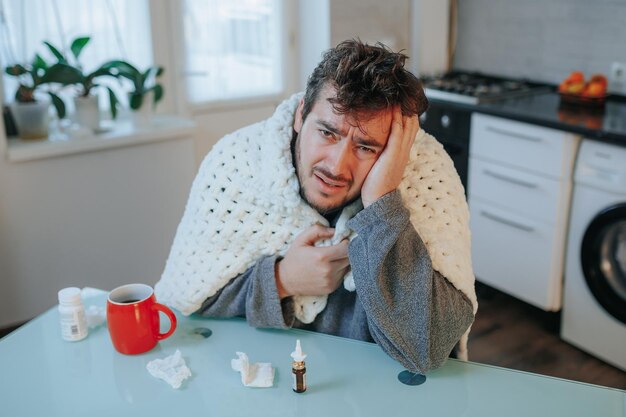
(245, 204)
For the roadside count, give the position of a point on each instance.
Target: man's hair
(367, 79)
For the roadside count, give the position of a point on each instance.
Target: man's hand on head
(310, 270)
(386, 174)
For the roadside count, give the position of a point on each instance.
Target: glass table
(41, 374)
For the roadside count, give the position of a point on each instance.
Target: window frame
(174, 57)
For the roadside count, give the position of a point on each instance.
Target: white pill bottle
(72, 315)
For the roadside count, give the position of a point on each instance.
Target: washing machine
(594, 299)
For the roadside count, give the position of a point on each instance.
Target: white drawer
(534, 148)
(536, 196)
(519, 256)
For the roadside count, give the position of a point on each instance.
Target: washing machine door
(603, 256)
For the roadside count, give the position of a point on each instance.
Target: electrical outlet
(617, 78)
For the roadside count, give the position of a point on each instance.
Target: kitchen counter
(606, 124)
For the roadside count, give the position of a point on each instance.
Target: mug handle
(170, 314)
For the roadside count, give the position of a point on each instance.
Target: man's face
(334, 153)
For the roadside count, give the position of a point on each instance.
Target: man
(255, 239)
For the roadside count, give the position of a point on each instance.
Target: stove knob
(445, 120)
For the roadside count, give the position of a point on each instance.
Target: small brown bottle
(298, 369)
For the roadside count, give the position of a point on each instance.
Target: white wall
(541, 40)
(372, 21)
(313, 36)
(418, 27)
(429, 47)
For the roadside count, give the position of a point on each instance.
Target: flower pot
(142, 117)
(87, 112)
(31, 119)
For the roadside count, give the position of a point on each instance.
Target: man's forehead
(369, 122)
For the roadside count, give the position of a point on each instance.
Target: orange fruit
(599, 79)
(594, 89)
(576, 76)
(576, 87)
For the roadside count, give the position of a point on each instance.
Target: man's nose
(340, 159)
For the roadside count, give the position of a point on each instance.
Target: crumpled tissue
(260, 375)
(95, 316)
(171, 369)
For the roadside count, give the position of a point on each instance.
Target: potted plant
(30, 111)
(65, 73)
(145, 92)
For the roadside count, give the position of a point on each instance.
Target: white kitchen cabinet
(520, 181)
(533, 195)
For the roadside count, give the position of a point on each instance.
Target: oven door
(450, 125)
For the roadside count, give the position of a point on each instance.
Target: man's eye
(366, 149)
(326, 133)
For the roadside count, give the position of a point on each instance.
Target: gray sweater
(400, 302)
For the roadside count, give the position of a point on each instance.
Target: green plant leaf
(38, 69)
(59, 56)
(78, 44)
(113, 102)
(124, 68)
(135, 100)
(158, 93)
(16, 70)
(147, 76)
(39, 62)
(63, 74)
(97, 73)
(58, 103)
(150, 75)
(118, 68)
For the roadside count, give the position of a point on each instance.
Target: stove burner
(477, 88)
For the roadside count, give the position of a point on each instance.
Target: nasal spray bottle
(298, 369)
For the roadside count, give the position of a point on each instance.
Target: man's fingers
(414, 124)
(411, 123)
(314, 233)
(341, 263)
(397, 122)
(334, 252)
(411, 126)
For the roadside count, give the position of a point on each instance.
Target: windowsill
(120, 134)
(237, 104)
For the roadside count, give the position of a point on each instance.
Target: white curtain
(119, 29)
(233, 49)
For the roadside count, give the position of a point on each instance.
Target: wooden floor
(512, 334)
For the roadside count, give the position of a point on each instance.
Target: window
(118, 29)
(233, 49)
(229, 50)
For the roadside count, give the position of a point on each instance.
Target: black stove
(474, 88)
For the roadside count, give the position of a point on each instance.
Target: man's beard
(295, 156)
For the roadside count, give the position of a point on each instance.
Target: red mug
(133, 319)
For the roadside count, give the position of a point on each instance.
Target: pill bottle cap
(70, 295)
